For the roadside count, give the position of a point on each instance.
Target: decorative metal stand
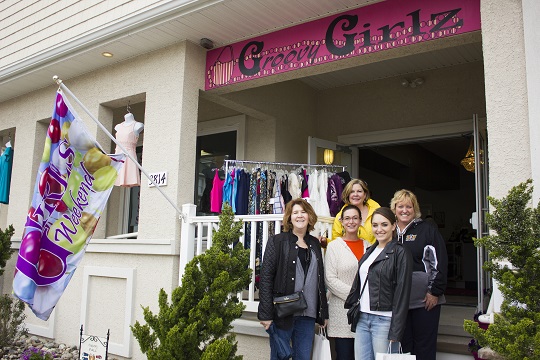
(93, 347)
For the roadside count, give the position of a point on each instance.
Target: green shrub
(196, 323)
(5, 246)
(515, 331)
(11, 320)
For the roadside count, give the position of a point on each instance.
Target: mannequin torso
(129, 119)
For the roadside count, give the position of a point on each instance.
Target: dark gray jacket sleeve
(266, 281)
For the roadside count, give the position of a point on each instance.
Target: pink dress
(128, 175)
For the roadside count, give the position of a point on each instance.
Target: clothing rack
(232, 163)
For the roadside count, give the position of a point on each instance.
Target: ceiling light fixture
(468, 161)
(413, 83)
(206, 43)
(107, 54)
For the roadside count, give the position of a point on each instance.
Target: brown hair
(387, 213)
(406, 195)
(312, 217)
(348, 190)
(350, 207)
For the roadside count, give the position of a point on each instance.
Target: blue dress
(6, 161)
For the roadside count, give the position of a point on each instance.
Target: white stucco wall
(506, 95)
(170, 79)
(449, 94)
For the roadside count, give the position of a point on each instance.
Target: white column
(506, 95)
(531, 30)
(170, 136)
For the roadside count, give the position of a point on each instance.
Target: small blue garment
(282, 345)
(6, 162)
(227, 189)
(235, 189)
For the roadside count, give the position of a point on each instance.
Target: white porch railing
(197, 234)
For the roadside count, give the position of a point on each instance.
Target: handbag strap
(363, 287)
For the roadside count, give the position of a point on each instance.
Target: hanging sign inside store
(382, 26)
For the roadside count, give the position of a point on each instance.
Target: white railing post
(187, 238)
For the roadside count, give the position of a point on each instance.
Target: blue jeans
(372, 337)
(301, 335)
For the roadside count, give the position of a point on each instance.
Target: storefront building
(392, 89)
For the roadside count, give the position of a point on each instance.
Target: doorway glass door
(482, 206)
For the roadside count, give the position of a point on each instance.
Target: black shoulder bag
(295, 302)
(353, 314)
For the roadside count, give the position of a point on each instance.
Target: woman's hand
(266, 324)
(325, 324)
(324, 241)
(431, 301)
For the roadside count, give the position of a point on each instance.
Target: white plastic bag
(321, 346)
(400, 356)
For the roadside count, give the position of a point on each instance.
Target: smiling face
(357, 195)
(382, 228)
(299, 219)
(404, 212)
(350, 219)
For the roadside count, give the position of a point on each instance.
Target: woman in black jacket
(292, 262)
(382, 287)
(430, 266)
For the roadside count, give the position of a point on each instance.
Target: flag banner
(73, 184)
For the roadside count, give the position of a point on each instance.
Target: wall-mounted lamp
(413, 83)
(328, 156)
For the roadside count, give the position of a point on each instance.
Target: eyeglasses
(349, 219)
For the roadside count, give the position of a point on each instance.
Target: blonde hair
(406, 195)
(312, 217)
(348, 190)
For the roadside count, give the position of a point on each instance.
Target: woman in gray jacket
(381, 288)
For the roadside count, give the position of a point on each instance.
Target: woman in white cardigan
(341, 265)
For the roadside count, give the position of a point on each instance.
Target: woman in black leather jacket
(386, 270)
(292, 262)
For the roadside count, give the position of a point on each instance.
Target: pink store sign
(378, 27)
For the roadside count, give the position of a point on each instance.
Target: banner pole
(64, 87)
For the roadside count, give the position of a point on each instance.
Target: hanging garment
(304, 185)
(128, 175)
(243, 193)
(234, 190)
(252, 197)
(345, 178)
(278, 203)
(285, 190)
(216, 195)
(228, 188)
(334, 194)
(294, 186)
(269, 199)
(323, 188)
(314, 191)
(6, 163)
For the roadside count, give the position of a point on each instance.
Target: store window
(123, 205)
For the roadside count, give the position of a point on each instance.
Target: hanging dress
(128, 175)
(216, 194)
(6, 162)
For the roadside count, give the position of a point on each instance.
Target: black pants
(344, 348)
(421, 330)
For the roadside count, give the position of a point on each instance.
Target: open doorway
(446, 192)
